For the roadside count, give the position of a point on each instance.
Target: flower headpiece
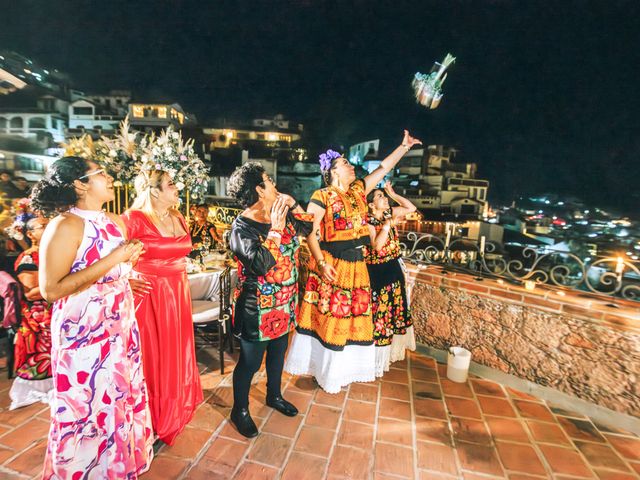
(327, 158)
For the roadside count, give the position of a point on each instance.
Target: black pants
(251, 354)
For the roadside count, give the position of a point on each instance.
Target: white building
(359, 152)
(277, 122)
(433, 182)
(151, 116)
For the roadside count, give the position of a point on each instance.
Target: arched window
(16, 122)
(37, 122)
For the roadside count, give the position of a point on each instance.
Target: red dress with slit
(166, 327)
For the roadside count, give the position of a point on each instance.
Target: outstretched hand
(388, 187)
(409, 141)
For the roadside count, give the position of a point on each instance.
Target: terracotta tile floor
(413, 423)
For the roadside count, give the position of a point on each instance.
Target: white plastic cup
(458, 361)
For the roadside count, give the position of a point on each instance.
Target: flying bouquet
(428, 86)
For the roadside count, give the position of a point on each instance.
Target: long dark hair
(55, 193)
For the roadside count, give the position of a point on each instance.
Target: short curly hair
(243, 182)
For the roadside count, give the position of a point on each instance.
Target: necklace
(163, 216)
(198, 230)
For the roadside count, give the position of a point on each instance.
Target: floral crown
(327, 158)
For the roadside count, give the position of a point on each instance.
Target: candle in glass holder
(619, 265)
(529, 285)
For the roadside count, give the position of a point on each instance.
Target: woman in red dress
(164, 304)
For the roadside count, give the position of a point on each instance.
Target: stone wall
(574, 342)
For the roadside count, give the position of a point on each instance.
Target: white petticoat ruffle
(331, 369)
(25, 392)
(396, 352)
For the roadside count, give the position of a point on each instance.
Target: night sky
(544, 95)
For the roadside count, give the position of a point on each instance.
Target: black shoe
(281, 405)
(243, 422)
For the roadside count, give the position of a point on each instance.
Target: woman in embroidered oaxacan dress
(392, 325)
(164, 304)
(335, 331)
(264, 239)
(100, 424)
(32, 351)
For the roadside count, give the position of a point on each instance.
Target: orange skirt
(337, 313)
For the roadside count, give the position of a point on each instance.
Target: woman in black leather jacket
(264, 240)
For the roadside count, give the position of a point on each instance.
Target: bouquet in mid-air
(428, 86)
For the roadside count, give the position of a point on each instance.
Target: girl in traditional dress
(264, 239)
(335, 330)
(100, 424)
(392, 325)
(163, 304)
(32, 351)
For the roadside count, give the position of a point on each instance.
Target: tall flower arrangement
(119, 155)
(129, 153)
(170, 153)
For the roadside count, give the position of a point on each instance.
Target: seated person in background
(7, 188)
(22, 187)
(203, 233)
(33, 339)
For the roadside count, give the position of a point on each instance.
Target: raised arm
(375, 177)
(378, 239)
(404, 206)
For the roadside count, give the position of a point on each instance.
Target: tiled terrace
(413, 423)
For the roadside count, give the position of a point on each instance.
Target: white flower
(168, 150)
(175, 135)
(117, 183)
(26, 259)
(161, 141)
(113, 153)
(180, 185)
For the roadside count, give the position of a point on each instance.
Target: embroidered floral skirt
(389, 302)
(337, 313)
(334, 339)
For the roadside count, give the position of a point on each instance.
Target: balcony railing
(614, 276)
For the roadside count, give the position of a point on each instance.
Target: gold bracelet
(321, 263)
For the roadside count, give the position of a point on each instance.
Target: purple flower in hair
(327, 158)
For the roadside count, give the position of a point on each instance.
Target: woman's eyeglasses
(95, 172)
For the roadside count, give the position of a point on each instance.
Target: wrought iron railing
(614, 276)
(223, 215)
